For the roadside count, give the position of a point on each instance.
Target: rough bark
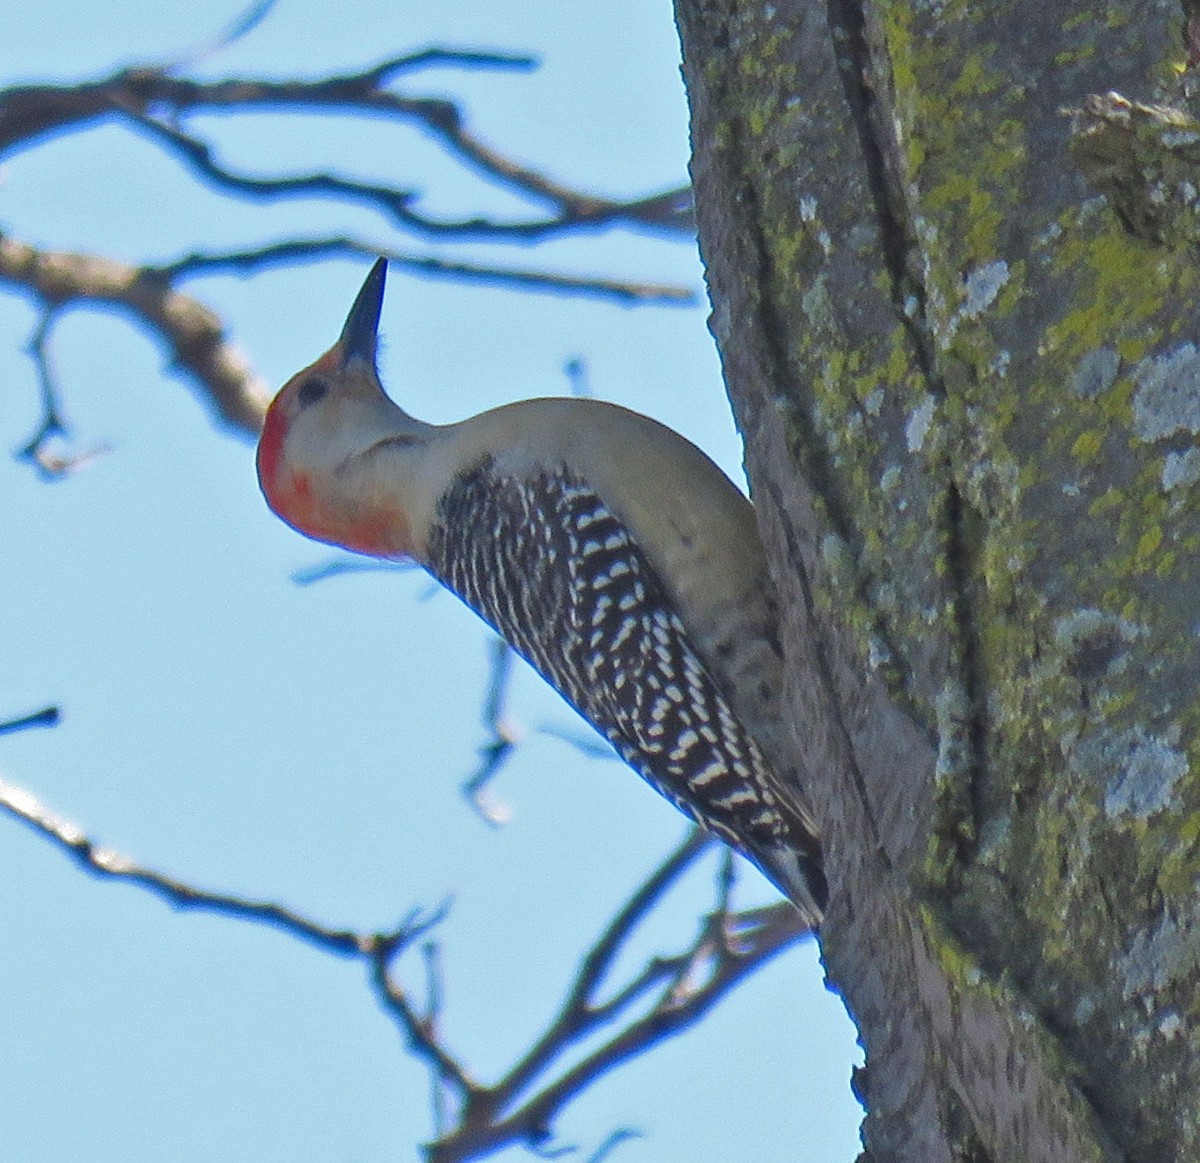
(971, 398)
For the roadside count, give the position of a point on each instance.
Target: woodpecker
(610, 552)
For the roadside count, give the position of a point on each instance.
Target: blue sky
(306, 743)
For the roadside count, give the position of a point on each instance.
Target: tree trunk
(970, 402)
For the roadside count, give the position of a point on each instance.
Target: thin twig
(576, 371)
(504, 737)
(571, 213)
(338, 566)
(39, 350)
(691, 983)
(241, 26)
(434, 994)
(427, 266)
(458, 58)
(50, 464)
(46, 717)
(594, 967)
(421, 1039)
(614, 1140)
(109, 864)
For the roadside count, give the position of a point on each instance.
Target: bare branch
(571, 210)
(585, 741)
(378, 949)
(199, 156)
(727, 949)
(28, 112)
(781, 927)
(106, 863)
(575, 1012)
(420, 1033)
(157, 102)
(193, 334)
(599, 960)
(505, 734)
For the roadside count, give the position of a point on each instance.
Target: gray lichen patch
(1181, 469)
(1137, 771)
(953, 707)
(1159, 955)
(982, 286)
(917, 428)
(1167, 399)
(1096, 373)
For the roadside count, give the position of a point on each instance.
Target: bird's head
(326, 455)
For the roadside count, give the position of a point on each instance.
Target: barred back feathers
(547, 564)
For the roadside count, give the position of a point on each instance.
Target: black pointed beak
(360, 335)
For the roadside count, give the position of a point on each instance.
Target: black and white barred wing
(554, 571)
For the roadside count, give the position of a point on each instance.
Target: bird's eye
(309, 392)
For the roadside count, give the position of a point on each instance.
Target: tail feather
(799, 877)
